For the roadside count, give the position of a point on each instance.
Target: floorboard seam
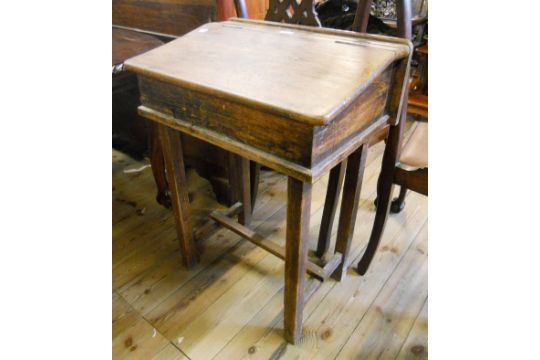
(411, 328)
(219, 258)
(381, 288)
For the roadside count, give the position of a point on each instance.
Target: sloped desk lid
(302, 73)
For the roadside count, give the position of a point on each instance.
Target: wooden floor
(230, 306)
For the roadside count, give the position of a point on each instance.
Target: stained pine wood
(324, 118)
(416, 345)
(335, 184)
(133, 336)
(298, 216)
(349, 207)
(230, 306)
(349, 61)
(272, 247)
(253, 114)
(329, 322)
(400, 300)
(127, 44)
(241, 170)
(174, 165)
(167, 17)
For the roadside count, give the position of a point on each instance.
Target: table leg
(349, 207)
(298, 213)
(158, 165)
(174, 164)
(254, 173)
(335, 183)
(239, 182)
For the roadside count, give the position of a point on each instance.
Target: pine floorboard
(230, 306)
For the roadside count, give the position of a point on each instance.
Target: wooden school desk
(299, 100)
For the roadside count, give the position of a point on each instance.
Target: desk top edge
(402, 49)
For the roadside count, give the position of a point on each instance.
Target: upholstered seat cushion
(415, 151)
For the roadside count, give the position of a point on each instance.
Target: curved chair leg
(384, 192)
(335, 183)
(385, 185)
(399, 203)
(398, 105)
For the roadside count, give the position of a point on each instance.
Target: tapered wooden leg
(233, 179)
(254, 173)
(244, 190)
(335, 183)
(158, 166)
(298, 213)
(239, 182)
(349, 208)
(399, 203)
(174, 164)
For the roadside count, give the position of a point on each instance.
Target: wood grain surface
(294, 71)
(230, 305)
(170, 17)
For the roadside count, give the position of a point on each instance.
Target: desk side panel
(278, 136)
(358, 116)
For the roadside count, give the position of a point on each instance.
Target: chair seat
(127, 43)
(415, 151)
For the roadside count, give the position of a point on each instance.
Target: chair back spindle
(361, 18)
(241, 9)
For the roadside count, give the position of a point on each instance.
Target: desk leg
(239, 182)
(349, 207)
(298, 213)
(158, 165)
(174, 164)
(335, 183)
(254, 174)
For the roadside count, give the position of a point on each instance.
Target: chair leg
(349, 208)
(384, 192)
(335, 183)
(298, 213)
(385, 185)
(158, 166)
(399, 203)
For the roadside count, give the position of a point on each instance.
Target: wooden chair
(303, 13)
(410, 172)
(407, 166)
